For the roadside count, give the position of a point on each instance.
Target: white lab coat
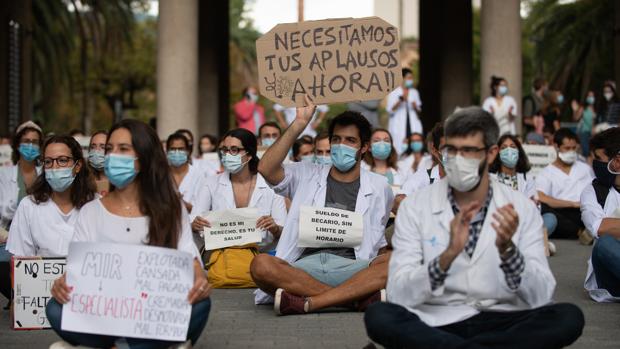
(525, 184)
(398, 117)
(41, 229)
(192, 183)
(592, 215)
(217, 194)
(8, 194)
(405, 165)
(473, 285)
(306, 185)
(502, 113)
(420, 179)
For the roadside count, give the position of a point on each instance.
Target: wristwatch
(508, 251)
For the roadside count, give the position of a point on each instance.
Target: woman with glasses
(187, 178)
(142, 208)
(44, 222)
(96, 157)
(241, 186)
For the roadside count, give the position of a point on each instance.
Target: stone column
(500, 48)
(177, 66)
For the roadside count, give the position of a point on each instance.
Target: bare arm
(270, 166)
(556, 203)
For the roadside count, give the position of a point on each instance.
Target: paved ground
(236, 323)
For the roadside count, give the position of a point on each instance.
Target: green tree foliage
(571, 44)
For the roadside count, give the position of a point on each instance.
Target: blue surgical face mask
(343, 157)
(560, 99)
(268, 142)
(590, 100)
(509, 157)
(233, 163)
(503, 90)
(29, 151)
(96, 159)
(308, 158)
(177, 158)
(60, 179)
(409, 83)
(381, 150)
(323, 160)
(120, 169)
(417, 146)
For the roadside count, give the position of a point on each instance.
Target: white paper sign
(128, 291)
(540, 156)
(5, 155)
(32, 283)
(235, 227)
(329, 227)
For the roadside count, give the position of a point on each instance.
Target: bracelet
(508, 251)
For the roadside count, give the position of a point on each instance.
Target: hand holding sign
(305, 114)
(200, 223)
(61, 291)
(201, 289)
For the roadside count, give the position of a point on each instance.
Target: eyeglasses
(232, 150)
(62, 161)
(467, 152)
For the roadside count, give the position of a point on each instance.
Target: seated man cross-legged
(468, 269)
(303, 280)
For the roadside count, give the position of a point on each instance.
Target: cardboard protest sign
(235, 227)
(333, 60)
(540, 156)
(329, 227)
(32, 279)
(5, 155)
(128, 291)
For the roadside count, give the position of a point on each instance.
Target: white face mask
(608, 96)
(568, 157)
(463, 174)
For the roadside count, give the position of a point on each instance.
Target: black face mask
(603, 175)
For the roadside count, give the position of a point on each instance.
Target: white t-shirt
(291, 113)
(502, 113)
(41, 230)
(556, 183)
(96, 224)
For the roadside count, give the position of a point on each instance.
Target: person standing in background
(552, 110)
(96, 158)
(609, 109)
(369, 109)
(502, 106)
(248, 113)
(404, 105)
(533, 102)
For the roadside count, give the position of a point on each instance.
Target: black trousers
(548, 327)
(569, 221)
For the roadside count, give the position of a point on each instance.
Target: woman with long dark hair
(96, 158)
(382, 157)
(511, 166)
(44, 222)
(142, 208)
(241, 186)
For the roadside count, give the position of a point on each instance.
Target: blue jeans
(330, 269)
(606, 264)
(550, 221)
(198, 321)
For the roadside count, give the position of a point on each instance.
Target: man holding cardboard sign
(338, 267)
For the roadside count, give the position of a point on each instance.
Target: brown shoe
(379, 296)
(288, 304)
(585, 238)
